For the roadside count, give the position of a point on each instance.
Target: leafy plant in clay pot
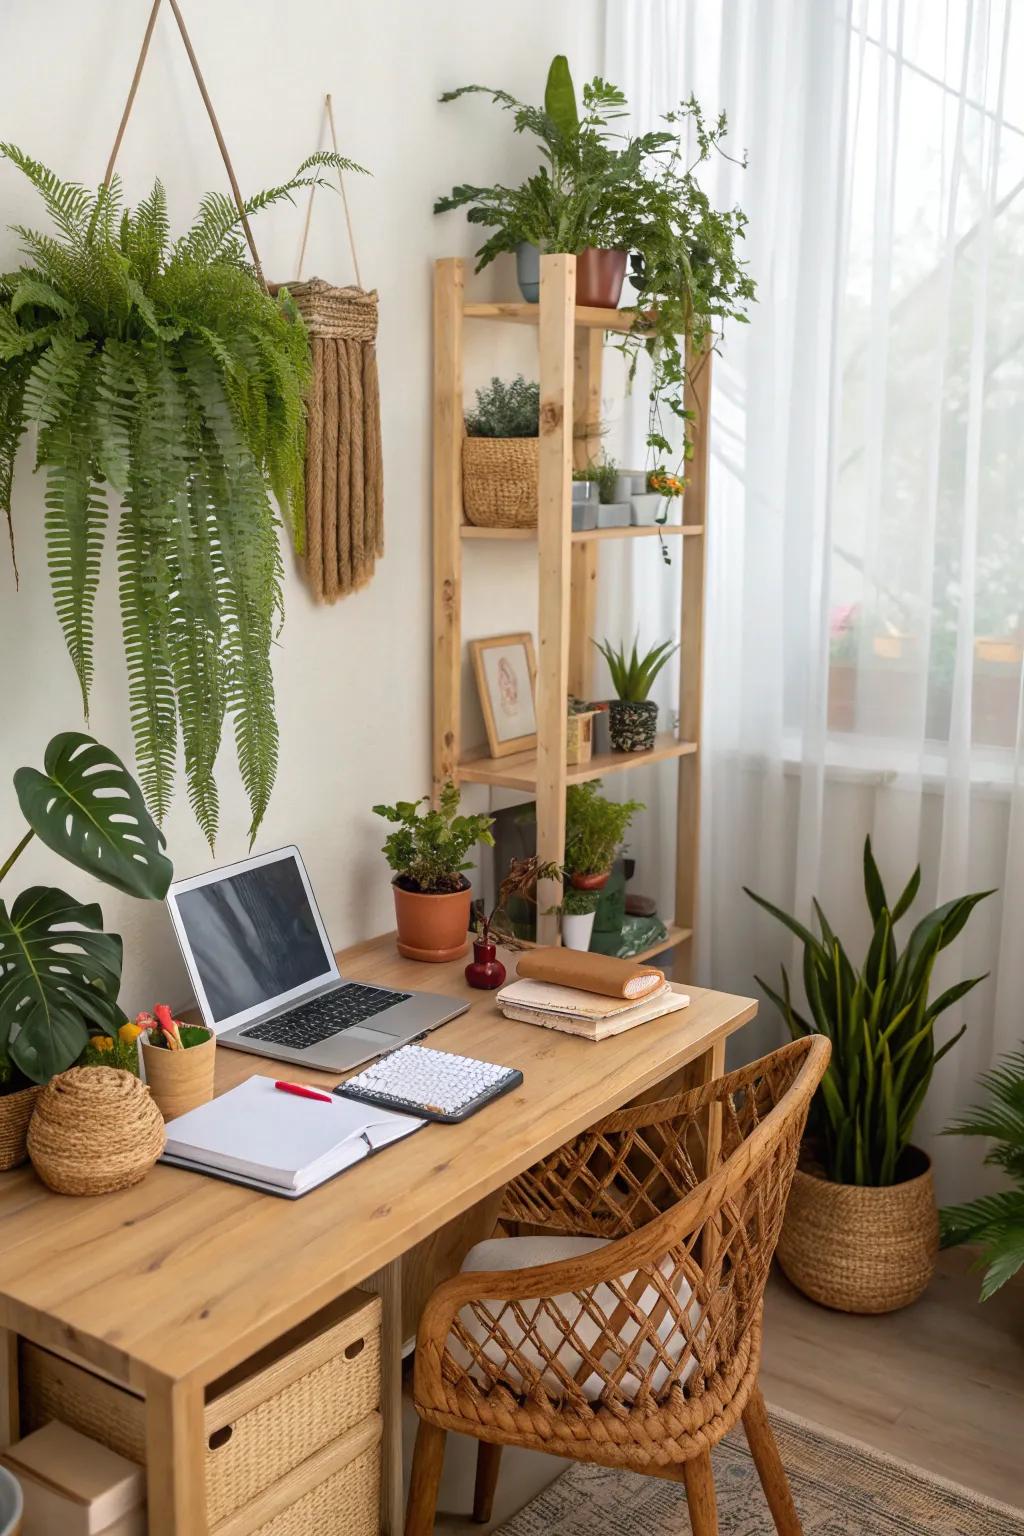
(428, 851)
(594, 830)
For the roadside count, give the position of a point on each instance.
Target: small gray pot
(528, 271)
(632, 726)
(584, 516)
(613, 514)
(630, 483)
(584, 490)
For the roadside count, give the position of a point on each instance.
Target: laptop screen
(251, 934)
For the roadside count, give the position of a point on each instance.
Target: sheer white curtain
(866, 596)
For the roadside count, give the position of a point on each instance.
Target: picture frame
(505, 667)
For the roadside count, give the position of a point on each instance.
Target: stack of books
(585, 994)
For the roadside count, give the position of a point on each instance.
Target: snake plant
(163, 369)
(995, 1222)
(880, 1022)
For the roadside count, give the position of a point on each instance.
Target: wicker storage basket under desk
(262, 1422)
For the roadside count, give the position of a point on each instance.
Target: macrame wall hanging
(344, 466)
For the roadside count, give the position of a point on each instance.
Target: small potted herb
(578, 911)
(594, 830)
(500, 455)
(428, 851)
(179, 1061)
(613, 509)
(633, 717)
(660, 504)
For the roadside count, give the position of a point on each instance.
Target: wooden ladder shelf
(571, 343)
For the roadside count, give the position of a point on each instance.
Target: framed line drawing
(506, 679)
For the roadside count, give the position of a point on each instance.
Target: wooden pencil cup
(180, 1080)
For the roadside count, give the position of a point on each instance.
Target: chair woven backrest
(691, 1193)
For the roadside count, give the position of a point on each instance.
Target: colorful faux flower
(665, 484)
(130, 1032)
(101, 1042)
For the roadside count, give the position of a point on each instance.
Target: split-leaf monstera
(60, 973)
(163, 369)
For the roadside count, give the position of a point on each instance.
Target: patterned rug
(841, 1488)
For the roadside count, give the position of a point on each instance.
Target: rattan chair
(641, 1349)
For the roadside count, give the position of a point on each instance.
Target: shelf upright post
(447, 540)
(696, 398)
(554, 554)
(586, 433)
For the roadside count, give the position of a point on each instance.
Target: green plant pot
(632, 726)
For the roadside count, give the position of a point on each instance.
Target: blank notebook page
(258, 1132)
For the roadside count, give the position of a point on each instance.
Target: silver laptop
(265, 976)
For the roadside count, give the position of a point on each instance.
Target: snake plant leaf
(907, 895)
(87, 807)
(58, 970)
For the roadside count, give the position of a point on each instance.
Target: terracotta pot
(432, 927)
(485, 971)
(15, 1114)
(180, 1080)
(861, 1249)
(591, 882)
(599, 278)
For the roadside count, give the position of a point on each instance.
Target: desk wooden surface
(187, 1275)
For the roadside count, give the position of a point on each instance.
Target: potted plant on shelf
(633, 717)
(995, 1223)
(59, 972)
(164, 369)
(613, 510)
(660, 504)
(428, 851)
(485, 970)
(861, 1229)
(594, 830)
(500, 463)
(578, 909)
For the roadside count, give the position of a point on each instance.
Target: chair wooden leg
(700, 1495)
(488, 1464)
(770, 1470)
(427, 1461)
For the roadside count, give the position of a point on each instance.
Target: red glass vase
(485, 970)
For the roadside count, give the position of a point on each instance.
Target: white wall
(353, 681)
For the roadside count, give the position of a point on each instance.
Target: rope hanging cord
(215, 125)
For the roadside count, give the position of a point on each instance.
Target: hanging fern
(163, 369)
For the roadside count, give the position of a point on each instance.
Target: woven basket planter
(94, 1130)
(861, 1249)
(633, 724)
(15, 1114)
(500, 481)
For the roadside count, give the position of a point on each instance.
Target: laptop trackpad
(367, 1036)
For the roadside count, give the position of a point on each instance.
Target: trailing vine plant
(163, 369)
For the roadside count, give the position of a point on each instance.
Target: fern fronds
(995, 1222)
(162, 368)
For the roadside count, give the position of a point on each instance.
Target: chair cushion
(525, 1323)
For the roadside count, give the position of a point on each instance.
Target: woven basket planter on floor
(94, 1130)
(500, 477)
(15, 1114)
(861, 1249)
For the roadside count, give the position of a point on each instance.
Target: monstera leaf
(58, 973)
(87, 807)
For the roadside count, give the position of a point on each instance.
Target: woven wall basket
(861, 1250)
(15, 1114)
(500, 478)
(344, 463)
(94, 1130)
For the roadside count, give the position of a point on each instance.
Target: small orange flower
(101, 1042)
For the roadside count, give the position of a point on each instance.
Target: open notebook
(277, 1142)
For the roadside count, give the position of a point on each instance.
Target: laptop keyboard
(322, 1017)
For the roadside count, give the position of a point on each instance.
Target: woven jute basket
(861, 1249)
(15, 1114)
(500, 481)
(94, 1130)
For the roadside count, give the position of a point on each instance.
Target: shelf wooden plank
(585, 318)
(676, 936)
(587, 536)
(520, 770)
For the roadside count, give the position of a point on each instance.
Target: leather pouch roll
(604, 974)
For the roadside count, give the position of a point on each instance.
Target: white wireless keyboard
(436, 1085)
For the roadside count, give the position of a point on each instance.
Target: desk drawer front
(272, 1421)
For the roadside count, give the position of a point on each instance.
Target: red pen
(302, 1092)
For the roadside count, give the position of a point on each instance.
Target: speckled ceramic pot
(632, 726)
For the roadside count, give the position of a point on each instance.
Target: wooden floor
(940, 1385)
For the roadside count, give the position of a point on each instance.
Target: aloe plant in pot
(59, 971)
(633, 717)
(861, 1228)
(428, 851)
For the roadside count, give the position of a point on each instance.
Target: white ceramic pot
(629, 483)
(614, 514)
(577, 928)
(11, 1505)
(650, 510)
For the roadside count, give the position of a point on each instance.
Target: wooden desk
(166, 1286)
